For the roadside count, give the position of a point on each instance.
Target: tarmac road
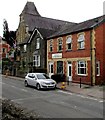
(51, 103)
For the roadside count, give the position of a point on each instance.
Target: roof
(30, 8)
(42, 22)
(68, 29)
(46, 26)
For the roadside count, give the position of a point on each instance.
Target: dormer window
(38, 43)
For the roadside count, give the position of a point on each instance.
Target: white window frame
(60, 43)
(36, 60)
(69, 41)
(97, 68)
(37, 43)
(81, 41)
(79, 67)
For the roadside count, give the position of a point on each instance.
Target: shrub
(59, 77)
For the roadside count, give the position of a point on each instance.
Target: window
(69, 43)
(98, 68)
(36, 60)
(59, 66)
(25, 48)
(51, 46)
(81, 68)
(59, 44)
(81, 41)
(3, 49)
(38, 43)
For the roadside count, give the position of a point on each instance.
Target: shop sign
(57, 55)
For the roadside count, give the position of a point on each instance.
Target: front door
(51, 69)
(69, 71)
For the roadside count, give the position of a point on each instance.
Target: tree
(9, 36)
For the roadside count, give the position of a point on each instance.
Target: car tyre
(38, 86)
(26, 84)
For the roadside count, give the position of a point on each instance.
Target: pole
(80, 82)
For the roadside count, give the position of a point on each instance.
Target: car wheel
(38, 86)
(25, 83)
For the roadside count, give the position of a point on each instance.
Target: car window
(42, 76)
(31, 75)
(47, 77)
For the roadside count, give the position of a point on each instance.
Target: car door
(33, 80)
(29, 79)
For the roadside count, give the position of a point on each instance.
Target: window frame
(51, 45)
(36, 60)
(79, 67)
(81, 41)
(25, 47)
(60, 44)
(98, 68)
(69, 42)
(38, 43)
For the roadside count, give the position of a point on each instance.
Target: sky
(67, 10)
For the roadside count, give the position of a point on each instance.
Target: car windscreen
(42, 76)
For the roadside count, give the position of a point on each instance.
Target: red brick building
(78, 51)
(4, 48)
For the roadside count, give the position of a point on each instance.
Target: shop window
(81, 68)
(59, 67)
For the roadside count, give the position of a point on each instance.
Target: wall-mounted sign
(57, 55)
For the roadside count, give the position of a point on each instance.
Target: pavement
(86, 90)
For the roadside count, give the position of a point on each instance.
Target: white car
(39, 80)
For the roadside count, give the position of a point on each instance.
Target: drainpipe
(91, 57)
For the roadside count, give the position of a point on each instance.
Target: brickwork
(93, 51)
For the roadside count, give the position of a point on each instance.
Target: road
(51, 103)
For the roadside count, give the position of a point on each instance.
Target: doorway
(51, 69)
(69, 73)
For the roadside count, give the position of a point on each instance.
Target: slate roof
(42, 22)
(34, 19)
(68, 29)
(30, 9)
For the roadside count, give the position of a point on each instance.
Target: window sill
(84, 75)
(60, 51)
(68, 50)
(81, 49)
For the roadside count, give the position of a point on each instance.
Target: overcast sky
(68, 10)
